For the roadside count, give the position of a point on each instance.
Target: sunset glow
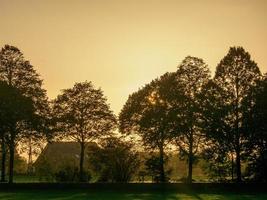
(120, 45)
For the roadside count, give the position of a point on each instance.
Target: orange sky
(120, 45)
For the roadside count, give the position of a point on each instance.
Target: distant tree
(83, 115)
(32, 146)
(16, 113)
(115, 160)
(235, 75)
(19, 73)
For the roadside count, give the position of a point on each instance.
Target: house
(58, 155)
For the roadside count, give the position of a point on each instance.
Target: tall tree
(145, 114)
(168, 109)
(83, 115)
(235, 75)
(192, 74)
(19, 73)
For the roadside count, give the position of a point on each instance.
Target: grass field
(86, 195)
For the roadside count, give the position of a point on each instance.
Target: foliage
(146, 114)
(16, 113)
(83, 115)
(152, 165)
(45, 171)
(18, 73)
(70, 174)
(256, 128)
(218, 165)
(168, 109)
(115, 160)
(235, 75)
(192, 74)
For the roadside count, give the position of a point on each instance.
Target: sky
(120, 45)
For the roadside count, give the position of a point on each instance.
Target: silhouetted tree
(235, 75)
(16, 113)
(3, 127)
(83, 115)
(145, 114)
(192, 74)
(216, 149)
(19, 73)
(169, 108)
(255, 126)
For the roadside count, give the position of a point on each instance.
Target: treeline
(220, 119)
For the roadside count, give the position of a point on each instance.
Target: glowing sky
(120, 45)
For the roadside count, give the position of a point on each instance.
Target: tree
(215, 125)
(16, 112)
(3, 118)
(115, 160)
(254, 120)
(145, 114)
(169, 109)
(235, 75)
(19, 73)
(83, 115)
(191, 76)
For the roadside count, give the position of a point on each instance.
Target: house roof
(62, 153)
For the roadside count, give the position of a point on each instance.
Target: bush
(70, 174)
(152, 165)
(114, 161)
(45, 171)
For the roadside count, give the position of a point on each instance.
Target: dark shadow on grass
(122, 195)
(195, 195)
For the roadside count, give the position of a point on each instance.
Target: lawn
(89, 195)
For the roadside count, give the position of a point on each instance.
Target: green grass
(26, 179)
(86, 195)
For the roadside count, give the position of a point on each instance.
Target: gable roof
(58, 154)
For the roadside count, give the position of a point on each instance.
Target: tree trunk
(238, 165)
(232, 169)
(237, 138)
(3, 163)
(190, 158)
(82, 161)
(11, 161)
(161, 157)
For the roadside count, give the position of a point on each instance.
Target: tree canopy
(83, 115)
(18, 73)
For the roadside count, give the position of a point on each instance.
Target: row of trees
(80, 113)
(220, 118)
